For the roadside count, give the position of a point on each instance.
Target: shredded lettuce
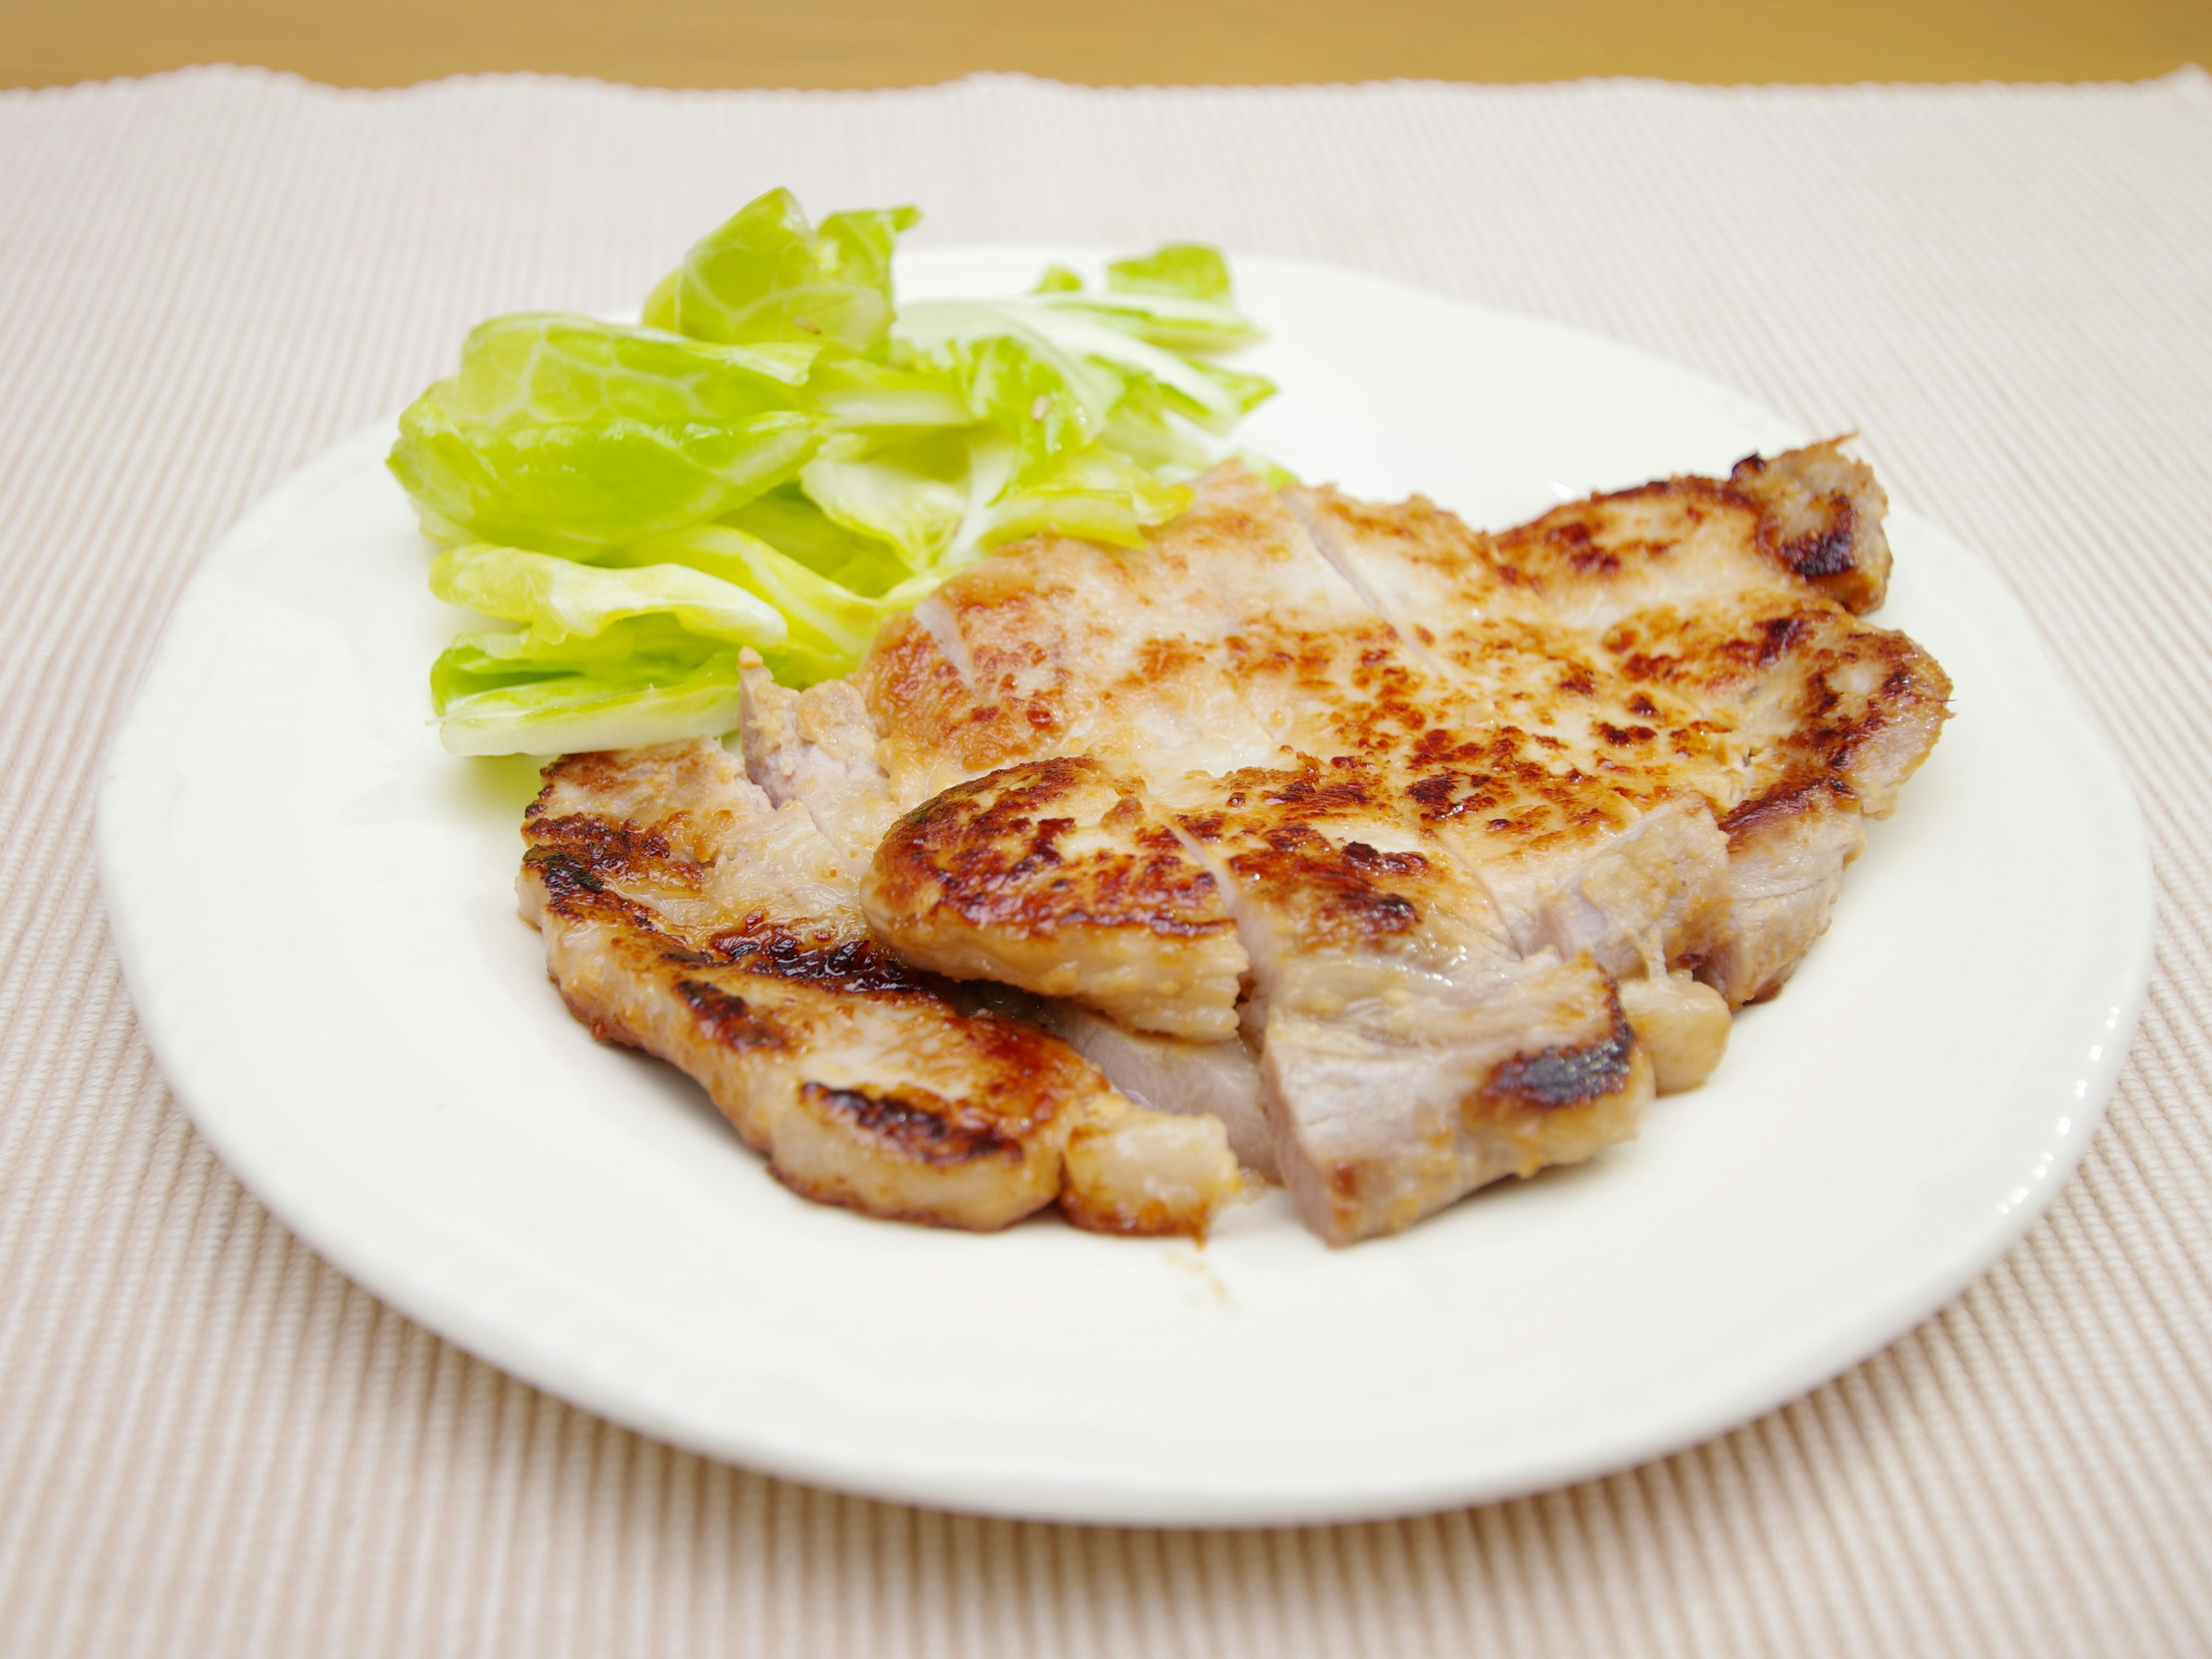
(778, 458)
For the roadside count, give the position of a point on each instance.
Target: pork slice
(1787, 853)
(1060, 648)
(1448, 787)
(1691, 646)
(1170, 1074)
(1288, 787)
(1056, 876)
(1352, 921)
(685, 914)
(1389, 1106)
(816, 748)
(1832, 715)
(1399, 1027)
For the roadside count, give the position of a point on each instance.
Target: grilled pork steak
(1416, 855)
(1451, 787)
(1689, 648)
(686, 915)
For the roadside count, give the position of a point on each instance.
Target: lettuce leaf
(633, 685)
(789, 520)
(858, 394)
(778, 458)
(906, 496)
(1191, 269)
(1059, 363)
(559, 600)
(1094, 495)
(764, 274)
(569, 436)
(1178, 297)
(828, 625)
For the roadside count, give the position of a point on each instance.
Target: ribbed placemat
(210, 1444)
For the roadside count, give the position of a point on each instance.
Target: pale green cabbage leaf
(492, 700)
(765, 275)
(778, 458)
(559, 599)
(569, 436)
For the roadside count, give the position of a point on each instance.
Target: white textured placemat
(210, 1444)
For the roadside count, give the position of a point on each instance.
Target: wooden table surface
(874, 43)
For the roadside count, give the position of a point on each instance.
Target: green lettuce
(605, 658)
(764, 275)
(778, 457)
(905, 493)
(827, 624)
(1178, 298)
(561, 599)
(567, 436)
(496, 695)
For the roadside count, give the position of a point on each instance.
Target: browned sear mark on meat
(736, 1025)
(1557, 1078)
(919, 1124)
(851, 965)
(990, 850)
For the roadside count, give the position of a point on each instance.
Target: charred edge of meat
(1021, 791)
(1293, 859)
(1910, 679)
(732, 1021)
(1828, 546)
(1792, 795)
(854, 966)
(992, 856)
(573, 888)
(564, 875)
(1819, 517)
(1828, 552)
(1775, 639)
(1561, 1077)
(605, 847)
(920, 1125)
(544, 799)
(1017, 1050)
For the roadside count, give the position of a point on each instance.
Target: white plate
(314, 906)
